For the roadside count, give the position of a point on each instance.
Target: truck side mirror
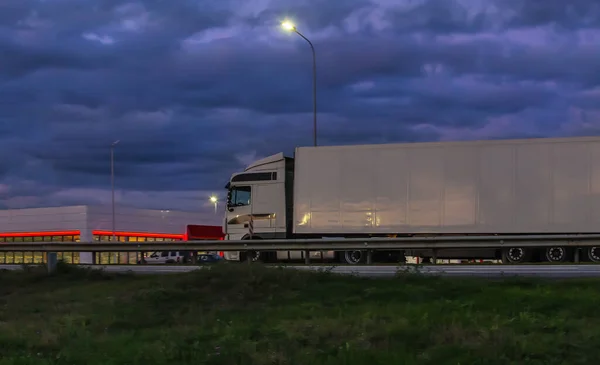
(229, 205)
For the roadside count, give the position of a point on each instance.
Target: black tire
(516, 255)
(556, 254)
(353, 257)
(593, 253)
(256, 256)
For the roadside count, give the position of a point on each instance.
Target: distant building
(94, 223)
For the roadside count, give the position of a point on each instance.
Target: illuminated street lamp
(215, 201)
(289, 26)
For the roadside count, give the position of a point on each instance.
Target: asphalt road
(547, 271)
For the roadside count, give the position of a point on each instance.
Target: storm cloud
(194, 90)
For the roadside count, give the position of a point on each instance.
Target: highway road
(496, 271)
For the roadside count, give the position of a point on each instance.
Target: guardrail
(330, 244)
(334, 244)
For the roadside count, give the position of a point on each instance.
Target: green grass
(249, 314)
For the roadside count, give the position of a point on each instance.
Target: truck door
(240, 207)
(266, 199)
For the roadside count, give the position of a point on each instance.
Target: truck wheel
(515, 255)
(556, 254)
(593, 254)
(354, 257)
(255, 256)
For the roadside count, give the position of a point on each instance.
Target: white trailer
(526, 186)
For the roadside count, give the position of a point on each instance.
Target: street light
(289, 26)
(112, 184)
(215, 201)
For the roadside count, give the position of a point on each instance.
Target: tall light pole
(291, 27)
(215, 201)
(112, 184)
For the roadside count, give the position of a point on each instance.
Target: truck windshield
(239, 196)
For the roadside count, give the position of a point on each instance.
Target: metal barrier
(330, 244)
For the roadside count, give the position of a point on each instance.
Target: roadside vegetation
(250, 314)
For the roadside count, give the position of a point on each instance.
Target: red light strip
(40, 234)
(103, 233)
(138, 234)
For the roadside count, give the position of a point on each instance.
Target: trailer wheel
(515, 255)
(556, 254)
(593, 253)
(354, 257)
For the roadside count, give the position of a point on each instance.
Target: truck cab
(256, 202)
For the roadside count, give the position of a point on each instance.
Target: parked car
(166, 257)
(209, 258)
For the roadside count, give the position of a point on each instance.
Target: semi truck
(486, 188)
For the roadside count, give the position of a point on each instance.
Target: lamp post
(215, 201)
(112, 184)
(287, 25)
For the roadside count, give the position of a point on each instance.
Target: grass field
(248, 314)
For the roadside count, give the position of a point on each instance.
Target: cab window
(240, 196)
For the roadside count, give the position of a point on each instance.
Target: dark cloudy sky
(196, 89)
